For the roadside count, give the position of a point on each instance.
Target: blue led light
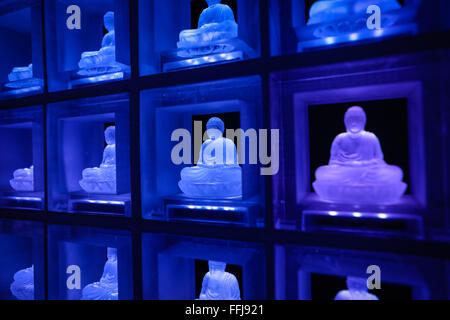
(194, 62)
(96, 79)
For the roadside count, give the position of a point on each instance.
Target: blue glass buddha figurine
(217, 173)
(218, 284)
(23, 286)
(103, 179)
(333, 18)
(216, 25)
(107, 288)
(103, 61)
(22, 77)
(23, 179)
(356, 172)
(356, 290)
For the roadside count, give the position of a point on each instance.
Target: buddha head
(355, 119)
(215, 128)
(111, 253)
(110, 135)
(357, 284)
(212, 2)
(216, 266)
(108, 20)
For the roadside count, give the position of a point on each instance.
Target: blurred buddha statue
(107, 288)
(103, 179)
(356, 290)
(23, 179)
(217, 173)
(23, 286)
(21, 73)
(337, 17)
(102, 61)
(216, 24)
(22, 77)
(357, 172)
(218, 284)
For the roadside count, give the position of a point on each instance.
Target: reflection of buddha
(357, 172)
(104, 60)
(23, 286)
(216, 23)
(357, 290)
(103, 179)
(107, 288)
(217, 173)
(338, 17)
(23, 179)
(218, 284)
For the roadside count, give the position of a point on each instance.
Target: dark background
(326, 287)
(201, 268)
(387, 119)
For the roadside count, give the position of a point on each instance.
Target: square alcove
(89, 264)
(163, 47)
(89, 155)
(173, 121)
(174, 267)
(21, 70)
(22, 260)
(22, 162)
(307, 25)
(306, 273)
(87, 42)
(310, 104)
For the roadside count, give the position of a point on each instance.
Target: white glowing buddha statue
(23, 179)
(337, 17)
(218, 284)
(108, 287)
(23, 286)
(217, 173)
(357, 172)
(216, 23)
(104, 60)
(103, 179)
(356, 290)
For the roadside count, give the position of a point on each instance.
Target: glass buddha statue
(23, 179)
(356, 172)
(22, 77)
(23, 286)
(356, 290)
(218, 284)
(103, 179)
(103, 61)
(217, 173)
(338, 17)
(216, 25)
(107, 288)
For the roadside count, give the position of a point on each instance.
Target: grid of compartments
(107, 189)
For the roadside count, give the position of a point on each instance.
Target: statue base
(402, 220)
(22, 200)
(110, 204)
(236, 212)
(99, 186)
(207, 54)
(99, 74)
(347, 38)
(23, 86)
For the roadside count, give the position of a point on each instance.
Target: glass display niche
(89, 155)
(22, 260)
(356, 154)
(306, 25)
(89, 264)
(184, 34)
(188, 268)
(307, 273)
(22, 163)
(21, 70)
(196, 165)
(87, 42)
